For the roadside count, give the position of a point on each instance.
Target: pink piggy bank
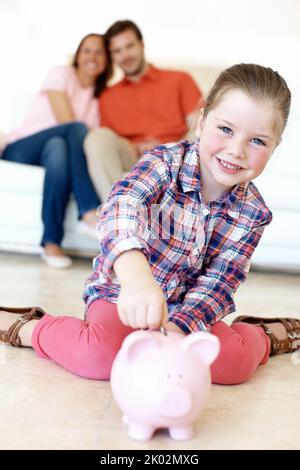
(162, 381)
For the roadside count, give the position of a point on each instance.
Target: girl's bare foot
(278, 329)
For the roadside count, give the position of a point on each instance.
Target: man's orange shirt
(156, 106)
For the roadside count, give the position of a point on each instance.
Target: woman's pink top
(62, 78)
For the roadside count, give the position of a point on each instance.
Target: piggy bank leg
(140, 432)
(182, 434)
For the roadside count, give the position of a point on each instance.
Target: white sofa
(21, 190)
(20, 209)
(279, 248)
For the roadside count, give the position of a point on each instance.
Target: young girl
(176, 238)
(52, 136)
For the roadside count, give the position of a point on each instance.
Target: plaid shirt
(199, 253)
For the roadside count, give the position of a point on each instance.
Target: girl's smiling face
(237, 138)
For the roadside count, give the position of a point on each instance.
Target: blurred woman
(52, 136)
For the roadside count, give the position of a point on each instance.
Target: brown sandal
(25, 315)
(278, 346)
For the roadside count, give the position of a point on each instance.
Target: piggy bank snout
(175, 402)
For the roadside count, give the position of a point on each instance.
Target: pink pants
(88, 348)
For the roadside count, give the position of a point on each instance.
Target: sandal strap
(293, 330)
(12, 334)
(278, 346)
(22, 309)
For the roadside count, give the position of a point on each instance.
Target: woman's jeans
(60, 151)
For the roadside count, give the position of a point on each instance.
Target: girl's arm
(125, 253)
(141, 303)
(61, 106)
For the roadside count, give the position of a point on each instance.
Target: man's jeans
(59, 150)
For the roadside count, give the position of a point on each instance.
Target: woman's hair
(261, 83)
(121, 26)
(102, 78)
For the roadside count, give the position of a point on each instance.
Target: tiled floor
(42, 406)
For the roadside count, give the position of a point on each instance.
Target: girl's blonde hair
(261, 83)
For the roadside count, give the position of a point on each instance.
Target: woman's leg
(38, 149)
(57, 189)
(86, 348)
(47, 150)
(82, 187)
(243, 348)
(29, 149)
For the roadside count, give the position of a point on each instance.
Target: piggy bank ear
(137, 343)
(204, 345)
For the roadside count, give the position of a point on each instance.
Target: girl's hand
(141, 304)
(172, 327)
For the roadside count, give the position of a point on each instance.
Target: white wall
(37, 34)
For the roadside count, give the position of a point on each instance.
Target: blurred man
(149, 106)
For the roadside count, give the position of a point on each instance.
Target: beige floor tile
(50, 412)
(43, 406)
